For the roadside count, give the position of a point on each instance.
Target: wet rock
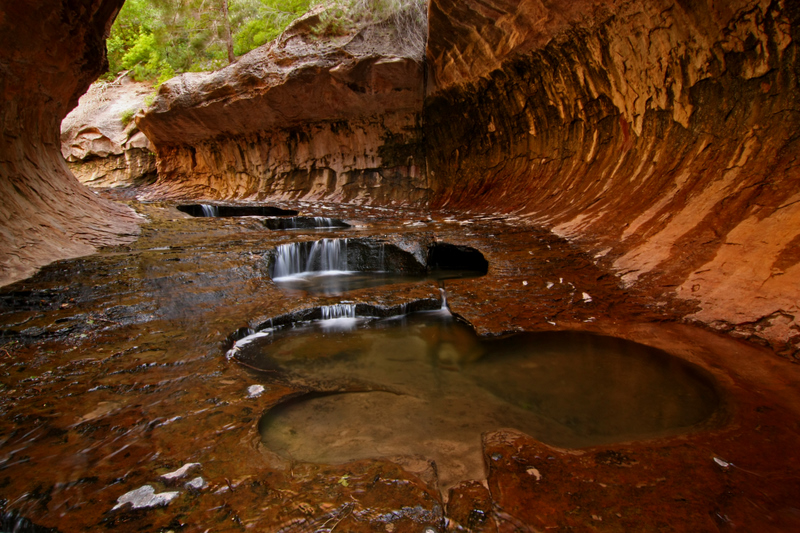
(100, 140)
(179, 473)
(197, 483)
(145, 497)
(301, 117)
(470, 508)
(209, 210)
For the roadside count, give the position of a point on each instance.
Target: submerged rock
(100, 140)
(310, 115)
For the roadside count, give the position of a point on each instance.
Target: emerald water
(424, 384)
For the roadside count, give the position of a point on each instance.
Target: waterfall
(323, 222)
(382, 257)
(318, 256)
(444, 297)
(209, 210)
(338, 311)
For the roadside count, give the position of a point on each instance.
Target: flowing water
(336, 266)
(432, 387)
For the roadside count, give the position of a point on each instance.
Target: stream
(182, 381)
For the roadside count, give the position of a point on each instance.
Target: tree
(157, 39)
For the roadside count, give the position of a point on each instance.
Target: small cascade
(318, 256)
(382, 257)
(325, 222)
(444, 297)
(287, 260)
(290, 223)
(209, 210)
(342, 310)
(332, 254)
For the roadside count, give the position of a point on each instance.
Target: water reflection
(338, 282)
(441, 387)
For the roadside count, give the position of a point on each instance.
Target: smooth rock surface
(50, 51)
(100, 147)
(661, 137)
(306, 116)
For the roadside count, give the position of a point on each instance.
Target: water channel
(173, 382)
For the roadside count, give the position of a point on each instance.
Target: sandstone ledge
(302, 117)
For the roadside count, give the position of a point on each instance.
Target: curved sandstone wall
(50, 52)
(662, 136)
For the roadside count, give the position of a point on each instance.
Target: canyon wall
(310, 116)
(100, 140)
(660, 136)
(50, 51)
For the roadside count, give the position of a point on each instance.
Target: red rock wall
(373, 160)
(305, 117)
(662, 137)
(50, 51)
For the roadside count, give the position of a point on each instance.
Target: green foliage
(408, 17)
(150, 98)
(126, 116)
(157, 39)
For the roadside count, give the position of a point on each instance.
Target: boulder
(100, 140)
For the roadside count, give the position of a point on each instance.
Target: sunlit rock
(100, 140)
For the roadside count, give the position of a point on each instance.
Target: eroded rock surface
(100, 140)
(660, 136)
(306, 116)
(51, 52)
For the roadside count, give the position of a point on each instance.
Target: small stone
(525, 283)
(197, 483)
(535, 473)
(586, 297)
(145, 497)
(179, 473)
(254, 391)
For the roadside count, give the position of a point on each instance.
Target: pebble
(179, 473)
(145, 497)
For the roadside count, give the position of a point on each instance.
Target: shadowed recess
(207, 210)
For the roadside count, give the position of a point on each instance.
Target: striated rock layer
(308, 116)
(49, 54)
(100, 141)
(663, 136)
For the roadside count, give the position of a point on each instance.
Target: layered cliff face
(308, 116)
(100, 141)
(51, 52)
(661, 136)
